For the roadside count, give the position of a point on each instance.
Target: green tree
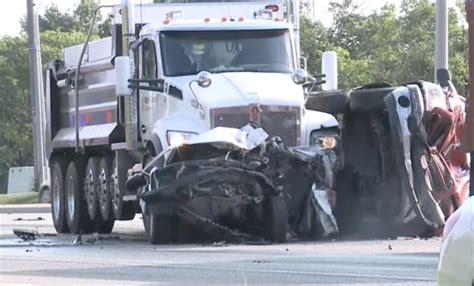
(386, 45)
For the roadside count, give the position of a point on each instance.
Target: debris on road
(26, 235)
(77, 240)
(220, 243)
(93, 238)
(29, 219)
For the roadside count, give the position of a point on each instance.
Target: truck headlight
(178, 138)
(327, 139)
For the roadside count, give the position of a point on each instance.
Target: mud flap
(405, 114)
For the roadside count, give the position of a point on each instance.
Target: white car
(456, 260)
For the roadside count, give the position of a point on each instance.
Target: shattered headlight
(327, 139)
(178, 138)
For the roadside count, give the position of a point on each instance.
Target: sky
(11, 15)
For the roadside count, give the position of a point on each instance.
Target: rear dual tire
(93, 185)
(75, 204)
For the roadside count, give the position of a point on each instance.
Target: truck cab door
(152, 103)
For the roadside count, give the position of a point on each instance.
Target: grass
(21, 198)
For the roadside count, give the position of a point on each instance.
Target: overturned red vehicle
(404, 172)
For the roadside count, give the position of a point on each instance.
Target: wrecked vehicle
(237, 184)
(404, 172)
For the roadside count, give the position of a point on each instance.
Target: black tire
(330, 102)
(122, 210)
(368, 99)
(159, 228)
(105, 192)
(76, 207)
(276, 223)
(58, 197)
(91, 188)
(106, 227)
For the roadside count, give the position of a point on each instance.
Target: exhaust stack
(130, 102)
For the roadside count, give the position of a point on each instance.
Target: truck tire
(276, 222)
(106, 226)
(329, 102)
(160, 228)
(105, 191)
(368, 99)
(122, 210)
(91, 188)
(76, 207)
(58, 200)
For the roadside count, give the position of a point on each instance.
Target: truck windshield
(189, 52)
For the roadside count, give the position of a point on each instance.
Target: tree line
(390, 45)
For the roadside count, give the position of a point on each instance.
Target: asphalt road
(125, 258)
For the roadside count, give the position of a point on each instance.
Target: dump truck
(170, 74)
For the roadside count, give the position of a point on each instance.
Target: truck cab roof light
(277, 19)
(207, 19)
(272, 7)
(224, 19)
(241, 19)
(166, 21)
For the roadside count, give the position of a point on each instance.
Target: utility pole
(468, 139)
(441, 40)
(36, 91)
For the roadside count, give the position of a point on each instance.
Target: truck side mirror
(299, 76)
(204, 79)
(122, 75)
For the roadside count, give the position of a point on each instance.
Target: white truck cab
(222, 72)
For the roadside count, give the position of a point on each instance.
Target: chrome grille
(282, 121)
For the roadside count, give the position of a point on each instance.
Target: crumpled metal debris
(222, 180)
(26, 235)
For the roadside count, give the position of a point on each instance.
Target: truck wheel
(122, 210)
(76, 207)
(159, 228)
(276, 222)
(106, 226)
(91, 187)
(368, 99)
(105, 193)
(58, 200)
(330, 102)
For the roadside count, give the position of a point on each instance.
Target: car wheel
(329, 102)
(159, 228)
(368, 99)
